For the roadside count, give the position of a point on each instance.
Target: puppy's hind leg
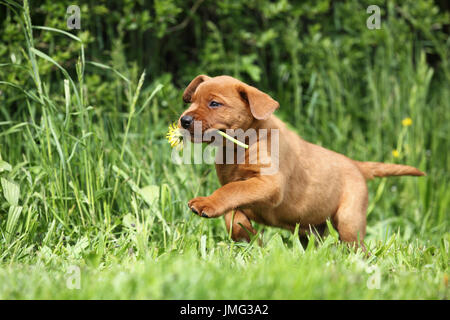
(237, 223)
(350, 218)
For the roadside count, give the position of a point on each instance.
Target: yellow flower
(407, 122)
(175, 137)
(395, 153)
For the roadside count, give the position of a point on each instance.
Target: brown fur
(311, 185)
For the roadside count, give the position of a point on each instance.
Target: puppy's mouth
(208, 134)
(212, 129)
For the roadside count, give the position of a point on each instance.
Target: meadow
(88, 190)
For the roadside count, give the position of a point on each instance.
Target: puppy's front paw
(205, 207)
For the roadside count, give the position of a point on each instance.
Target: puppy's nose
(186, 121)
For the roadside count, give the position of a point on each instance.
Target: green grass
(221, 271)
(87, 181)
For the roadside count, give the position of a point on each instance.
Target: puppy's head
(224, 103)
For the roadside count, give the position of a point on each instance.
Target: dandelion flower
(395, 153)
(407, 122)
(175, 137)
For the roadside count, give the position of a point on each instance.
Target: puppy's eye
(214, 104)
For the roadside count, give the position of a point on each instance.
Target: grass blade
(11, 191)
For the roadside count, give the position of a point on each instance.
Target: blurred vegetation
(278, 45)
(86, 171)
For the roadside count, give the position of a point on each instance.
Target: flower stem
(223, 134)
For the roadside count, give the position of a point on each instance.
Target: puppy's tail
(380, 169)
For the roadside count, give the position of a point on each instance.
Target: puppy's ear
(261, 104)
(189, 91)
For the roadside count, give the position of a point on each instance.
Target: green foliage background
(86, 171)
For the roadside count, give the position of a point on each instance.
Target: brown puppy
(309, 183)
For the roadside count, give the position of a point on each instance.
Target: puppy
(310, 183)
